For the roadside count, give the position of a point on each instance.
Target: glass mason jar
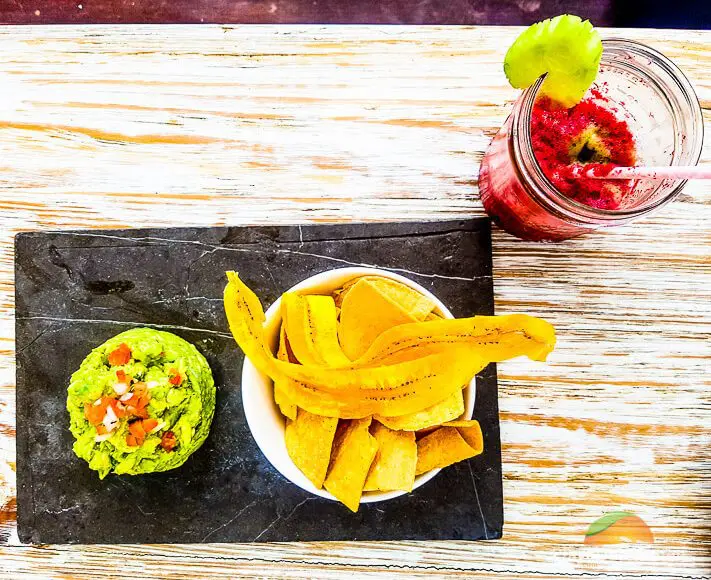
(642, 87)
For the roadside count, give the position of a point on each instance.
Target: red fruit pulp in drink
(587, 135)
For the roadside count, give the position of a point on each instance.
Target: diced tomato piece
(90, 414)
(95, 413)
(136, 429)
(140, 388)
(168, 441)
(174, 377)
(138, 401)
(130, 410)
(142, 402)
(100, 429)
(118, 411)
(121, 376)
(132, 441)
(120, 356)
(130, 403)
(137, 404)
(149, 425)
(141, 413)
(140, 396)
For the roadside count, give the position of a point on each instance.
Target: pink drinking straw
(676, 173)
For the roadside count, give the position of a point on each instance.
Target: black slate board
(76, 289)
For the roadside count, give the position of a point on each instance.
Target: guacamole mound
(141, 402)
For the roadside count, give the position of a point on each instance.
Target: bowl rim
(255, 383)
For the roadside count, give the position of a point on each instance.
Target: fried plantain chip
(365, 388)
(351, 392)
(391, 391)
(413, 302)
(386, 354)
(495, 338)
(366, 312)
(470, 430)
(286, 406)
(312, 327)
(453, 442)
(354, 449)
(446, 410)
(308, 442)
(394, 465)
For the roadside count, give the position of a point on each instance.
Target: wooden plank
(127, 126)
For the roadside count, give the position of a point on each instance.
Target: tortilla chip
(470, 430)
(354, 449)
(286, 406)
(457, 441)
(462, 423)
(365, 314)
(413, 302)
(418, 305)
(447, 410)
(394, 465)
(311, 325)
(308, 442)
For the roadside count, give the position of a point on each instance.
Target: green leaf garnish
(567, 48)
(605, 522)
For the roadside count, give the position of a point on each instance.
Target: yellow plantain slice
(354, 449)
(394, 465)
(446, 410)
(427, 373)
(417, 305)
(453, 442)
(312, 327)
(338, 296)
(495, 338)
(286, 406)
(419, 393)
(395, 389)
(308, 442)
(388, 390)
(470, 430)
(365, 313)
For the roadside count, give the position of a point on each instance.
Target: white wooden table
(107, 127)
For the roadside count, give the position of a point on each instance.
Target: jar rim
(554, 200)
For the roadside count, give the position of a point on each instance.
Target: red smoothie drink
(640, 111)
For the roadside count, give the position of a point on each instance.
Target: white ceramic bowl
(263, 417)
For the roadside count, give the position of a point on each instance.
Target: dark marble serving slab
(74, 290)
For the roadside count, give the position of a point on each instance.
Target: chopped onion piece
(152, 384)
(97, 402)
(125, 397)
(158, 427)
(104, 437)
(120, 388)
(110, 419)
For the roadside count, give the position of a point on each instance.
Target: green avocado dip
(141, 402)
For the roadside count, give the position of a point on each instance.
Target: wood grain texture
(145, 126)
